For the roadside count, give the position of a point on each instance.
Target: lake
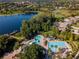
(12, 23)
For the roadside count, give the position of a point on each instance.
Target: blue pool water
(38, 39)
(11, 23)
(55, 45)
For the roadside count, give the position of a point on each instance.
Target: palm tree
(56, 46)
(49, 53)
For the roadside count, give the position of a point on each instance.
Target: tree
(46, 42)
(24, 28)
(7, 44)
(49, 53)
(33, 52)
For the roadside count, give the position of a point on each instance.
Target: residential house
(64, 24)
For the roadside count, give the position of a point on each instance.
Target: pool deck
(55, 41)
(42, 43)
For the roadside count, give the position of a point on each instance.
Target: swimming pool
(54, 46)
(38, 39)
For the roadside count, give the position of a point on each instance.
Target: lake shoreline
(9, 23)
(10, 14)
(19, 13)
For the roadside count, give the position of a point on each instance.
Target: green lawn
(19, 38)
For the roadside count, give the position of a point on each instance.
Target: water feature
(12, 23)
(55, 45)
(38, 39)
